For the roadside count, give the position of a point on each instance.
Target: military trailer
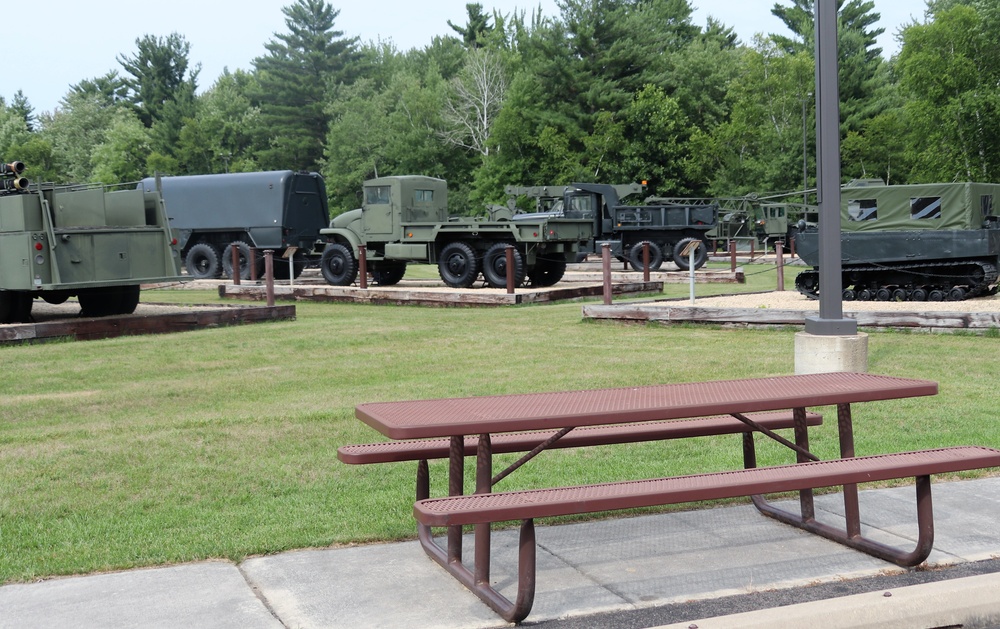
(668, 227)
(405, 219)
(914, 242)
(90, 242)
(213, 214)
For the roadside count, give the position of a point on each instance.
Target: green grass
(222, 442)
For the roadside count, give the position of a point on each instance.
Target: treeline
(608, 91)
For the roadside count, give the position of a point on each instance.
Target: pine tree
(294, 77)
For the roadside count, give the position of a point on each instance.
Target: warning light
(38, 246)
(644, 182)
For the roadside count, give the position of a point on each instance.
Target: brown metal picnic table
(484, 416)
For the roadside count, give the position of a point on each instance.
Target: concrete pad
(970, 602)
(210, 594)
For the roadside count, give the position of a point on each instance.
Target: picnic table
(535, 422)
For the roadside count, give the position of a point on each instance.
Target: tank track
(934, 281)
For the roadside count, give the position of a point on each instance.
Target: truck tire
(495, 266)
(547, 272)
(243, 259)
(655, 256)
(15, 306)
(700, 254)
(111, 300)
(388, 273)
(458, 265)
(338, 265)
(202, 261)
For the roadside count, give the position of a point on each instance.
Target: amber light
(38, 246)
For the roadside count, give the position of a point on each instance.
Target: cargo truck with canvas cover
(912, 242)
(404, 219)
(214, 214)
(94, 243)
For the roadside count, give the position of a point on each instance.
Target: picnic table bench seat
(527, 505)
(418, 449)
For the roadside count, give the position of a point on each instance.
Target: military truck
(764, 220)
(96, 243)
(213, 214)
(404, 219)
(668, 227)
(926, 242)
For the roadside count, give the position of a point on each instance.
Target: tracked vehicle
(929, 242)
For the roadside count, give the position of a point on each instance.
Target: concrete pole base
(827, 354)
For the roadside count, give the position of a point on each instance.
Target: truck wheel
(202, 261)
(700, 254)
(547, 272)
(458, 265)
(655, 256)
(389, 273)
(338, 265)
(495, 266)
(111, 300)
(15, 306)
(243, 257)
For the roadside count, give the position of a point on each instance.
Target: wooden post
(779, 254)
(253, 264)
(269, 276)
(606, 264)
(509, 252)
(732, 256)
(236, 265)
(645, 260)
(363, 261)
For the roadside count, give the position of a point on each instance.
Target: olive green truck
(404, 219)
(90, 242)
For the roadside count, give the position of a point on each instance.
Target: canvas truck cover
(919, 207)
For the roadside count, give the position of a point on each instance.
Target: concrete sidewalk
(619, 566)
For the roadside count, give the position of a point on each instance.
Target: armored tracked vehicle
(924, 242)
(404, 219)
(92, 242)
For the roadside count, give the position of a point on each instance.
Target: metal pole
(831, 321)
(253, 264)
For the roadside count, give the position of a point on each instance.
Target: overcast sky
(49, 45)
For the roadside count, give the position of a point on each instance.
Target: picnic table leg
(802, 440)
(484, 485)
(456, 481)
(852, 512)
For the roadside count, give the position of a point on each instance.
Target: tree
(477, 27)
(82, 122)
(859, 56)
(476, 98)
(123, 156)
(949, 77)
(294, 77)
(158, 76)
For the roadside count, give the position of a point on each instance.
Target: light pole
(805, 144)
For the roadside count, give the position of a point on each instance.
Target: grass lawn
(222, 442)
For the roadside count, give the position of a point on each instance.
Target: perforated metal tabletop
(531, 411)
